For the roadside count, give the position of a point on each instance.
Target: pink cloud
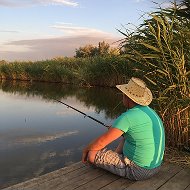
(40, 49)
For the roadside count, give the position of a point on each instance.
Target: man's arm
(102, 141)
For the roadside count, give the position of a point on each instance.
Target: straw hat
(137, 91)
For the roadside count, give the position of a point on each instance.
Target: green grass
(101, 71)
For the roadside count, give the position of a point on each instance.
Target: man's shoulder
(135, 110)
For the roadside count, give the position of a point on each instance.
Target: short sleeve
(122, 123)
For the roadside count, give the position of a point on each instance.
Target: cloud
(21, 3)
(42, 49)
(69, 29)
(57, 2)
(166, 5)
(47, 155)
(10, 140)
(139, 1)
(9, 31)
(43, 139)
(67, 152)
(14, 48)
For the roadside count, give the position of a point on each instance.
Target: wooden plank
(53, 184)
(99, 182)
(121, 183)
(188, 187)
(167, 172)
(62, 171)
(82, 179)
(179, 182)
(47, 177)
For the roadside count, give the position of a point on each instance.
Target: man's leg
(108, 160)
(117, 164)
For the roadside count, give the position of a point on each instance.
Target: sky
(32, 30)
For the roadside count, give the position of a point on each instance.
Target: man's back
(144, 136)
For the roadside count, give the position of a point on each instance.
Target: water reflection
(39, 135)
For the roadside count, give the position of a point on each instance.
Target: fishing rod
(85, 115)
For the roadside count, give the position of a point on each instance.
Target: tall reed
(159, 49)
(99, 70)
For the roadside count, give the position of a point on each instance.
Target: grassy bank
(100, 70)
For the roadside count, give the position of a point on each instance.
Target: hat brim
(144, 101)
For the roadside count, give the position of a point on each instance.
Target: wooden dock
(81, 177)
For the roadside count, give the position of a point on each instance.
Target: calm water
(39, 135)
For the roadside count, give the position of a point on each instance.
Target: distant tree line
(102, 49)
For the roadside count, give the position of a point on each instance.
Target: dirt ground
(175, 156)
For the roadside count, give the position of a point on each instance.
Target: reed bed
(49, 70)
(91, 71)
(160, 50)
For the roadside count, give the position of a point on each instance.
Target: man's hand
(84, 155)
(101, 142)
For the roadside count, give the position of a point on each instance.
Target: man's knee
(92, 155)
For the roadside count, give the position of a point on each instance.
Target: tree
(86, 51)
(102, 50)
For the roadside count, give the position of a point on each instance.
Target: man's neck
(132, 104)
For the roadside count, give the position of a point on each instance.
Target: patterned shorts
(122, 166)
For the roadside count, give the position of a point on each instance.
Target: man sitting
(140, 153)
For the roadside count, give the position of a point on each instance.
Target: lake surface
(39, 135)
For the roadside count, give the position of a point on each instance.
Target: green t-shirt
(144, 136)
